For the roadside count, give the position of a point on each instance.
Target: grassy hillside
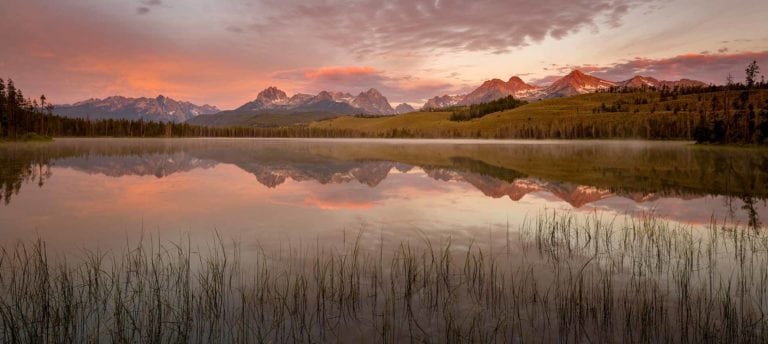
(598, 115)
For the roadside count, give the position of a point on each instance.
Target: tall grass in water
(558, 279)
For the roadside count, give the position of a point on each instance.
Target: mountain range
(160, 108)
(272, 99)
(572, 84)
(273, 107)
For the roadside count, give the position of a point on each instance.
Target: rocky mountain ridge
(575, 83)
(160, 108)
(272, 99)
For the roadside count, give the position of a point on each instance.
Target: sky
(224, 52)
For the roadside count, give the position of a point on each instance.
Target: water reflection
(414, 180)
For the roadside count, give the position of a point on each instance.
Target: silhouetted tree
(3, 111)
(10, 107)
(752, 71)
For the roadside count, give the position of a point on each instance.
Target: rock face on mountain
(404, 108)
(274, 100)
(496, 89)
(575, 83)
(160, 108)
(373, 102)
(638, 81)
(440, 102)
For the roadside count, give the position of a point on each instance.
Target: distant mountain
(404, 108)
(684, 83)
(639, 81)
(440, 102)
(272, 99)
(151, 109)
(273, 107)
(575, 83)
(496, 89)
(373, 102)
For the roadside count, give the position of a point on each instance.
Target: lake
(99, 191)
(307, 240)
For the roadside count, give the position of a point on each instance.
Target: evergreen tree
(752, 70)
(702, 132)
(762, 125)
(3, 117)
(10, 107)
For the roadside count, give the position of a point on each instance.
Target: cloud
(341, 73)
(234, 29)
(374, 27)
(146, 8)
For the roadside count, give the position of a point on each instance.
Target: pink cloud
(372, 27)
(335, 73)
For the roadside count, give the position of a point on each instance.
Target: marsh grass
(555, 279)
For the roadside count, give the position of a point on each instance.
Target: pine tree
(10, 107)
(752, 70)
(761, 131)
(3, 112)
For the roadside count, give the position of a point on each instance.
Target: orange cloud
(340, 72)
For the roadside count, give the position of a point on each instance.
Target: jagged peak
(493, 82)
(371, 91)
(271, 93)
(576, 72)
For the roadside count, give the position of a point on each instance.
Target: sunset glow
(224, 52)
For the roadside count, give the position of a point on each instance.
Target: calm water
(84, 192)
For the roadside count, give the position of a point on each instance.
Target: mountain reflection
(578, 174)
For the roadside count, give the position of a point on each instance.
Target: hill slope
(596, 115)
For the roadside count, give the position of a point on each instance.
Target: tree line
(480, 110)
(740, 121)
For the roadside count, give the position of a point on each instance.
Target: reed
(557, 278)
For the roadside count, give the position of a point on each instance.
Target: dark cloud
(234, 29)
(146, 8)
(375, 27)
